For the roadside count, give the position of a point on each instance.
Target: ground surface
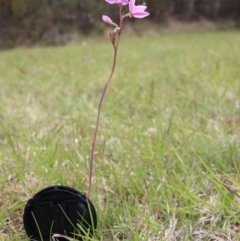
(168, 150)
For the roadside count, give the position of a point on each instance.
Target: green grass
(168, 149)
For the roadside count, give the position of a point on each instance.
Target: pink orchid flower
(123, 2)
(137, 11)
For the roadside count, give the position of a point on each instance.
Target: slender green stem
(115, 47)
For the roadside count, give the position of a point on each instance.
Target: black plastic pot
(59, 210)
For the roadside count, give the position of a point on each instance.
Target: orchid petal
(124, 2)
(131, 5)
(139, 8)
(141, 15)
(111, 1)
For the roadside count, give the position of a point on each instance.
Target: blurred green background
(31, 22)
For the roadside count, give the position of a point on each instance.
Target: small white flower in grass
(152, 131)
(113, 141)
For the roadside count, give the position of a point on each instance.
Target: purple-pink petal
(139, 8)
(140, 15)
(131, 5)
(123, 2)
(111, 1)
